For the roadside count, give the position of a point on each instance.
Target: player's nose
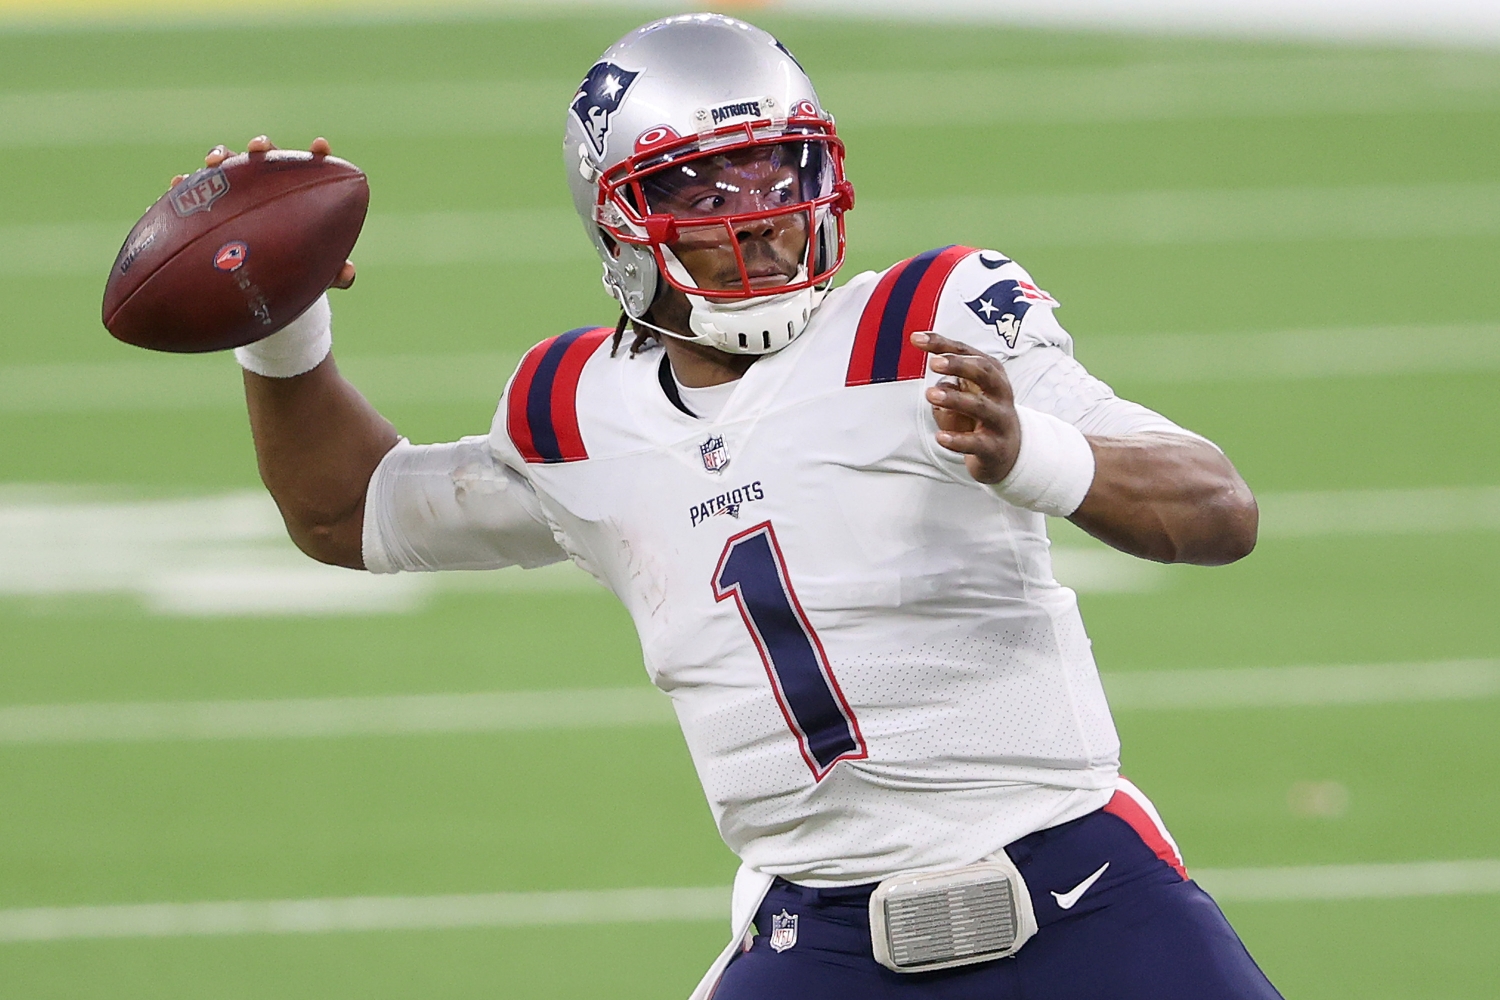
(758, 229)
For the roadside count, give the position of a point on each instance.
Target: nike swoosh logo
(1065, 900)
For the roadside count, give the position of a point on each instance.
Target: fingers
(979, 407)
(346, 276)
(980, 370)
(320, 147)
(936, 343)
(260, 144)
(976, 443)
(952, 357)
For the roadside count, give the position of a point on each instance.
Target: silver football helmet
(700, 134)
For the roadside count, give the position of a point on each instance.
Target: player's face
(747, 181)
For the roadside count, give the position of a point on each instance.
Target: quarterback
(825, 511)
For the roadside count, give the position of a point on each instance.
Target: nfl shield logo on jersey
(783, 931)
(715, 455)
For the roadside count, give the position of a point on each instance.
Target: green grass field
(1189, 202)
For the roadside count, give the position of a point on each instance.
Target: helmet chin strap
(686, 338)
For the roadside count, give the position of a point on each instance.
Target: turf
(603, 809)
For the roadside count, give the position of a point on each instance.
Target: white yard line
(189, 382)
(364, 913)
(613, 906)
(1285, 687)
(597, 708)
(1465, 22)
(399, 715)
(1013, 224)
(1352, 352)
(1273, 85)
(1331, 513)
(1376, 881)
(228, 555)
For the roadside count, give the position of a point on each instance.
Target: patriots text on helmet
(741, 109)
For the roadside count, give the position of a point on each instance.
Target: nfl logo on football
(715, 455)
(783, 931)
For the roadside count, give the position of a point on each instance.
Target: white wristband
(1053, 469)
(298, 347)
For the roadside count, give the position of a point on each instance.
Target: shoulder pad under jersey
(904, 301)
(540, 412)
(980, 297)
(991, 303)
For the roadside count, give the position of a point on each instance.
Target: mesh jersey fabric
(960, 707)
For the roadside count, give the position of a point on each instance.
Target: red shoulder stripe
(542, 410)
(923, 311)
(565, 392)
(904, 301)
(515, 410)
(862, 361)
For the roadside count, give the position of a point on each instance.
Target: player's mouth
(767, 277)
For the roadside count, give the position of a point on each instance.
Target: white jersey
(872, 664)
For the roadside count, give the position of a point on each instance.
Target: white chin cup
(760, 325)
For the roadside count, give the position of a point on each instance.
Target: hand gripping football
(233, 253)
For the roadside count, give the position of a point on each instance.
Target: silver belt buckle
(938, 920)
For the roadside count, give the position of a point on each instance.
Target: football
(233, 253)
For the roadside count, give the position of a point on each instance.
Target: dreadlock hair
(643, 337)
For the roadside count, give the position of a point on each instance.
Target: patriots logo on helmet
(598, 98)
(1004, 304)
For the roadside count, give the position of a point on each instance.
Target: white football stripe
(190, 382)
(611, 906)
(229, 554)
(596, 708)
(1294, 354)
(1267, 86)
(1373, 881)
(1285, 687)
(398, 715)
(363, 913)
(1013, 224)
(1431, 511)
(1468, 22)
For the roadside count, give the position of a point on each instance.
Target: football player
(825, 510)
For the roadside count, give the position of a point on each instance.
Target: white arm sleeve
(452, 506)
(1050, 380)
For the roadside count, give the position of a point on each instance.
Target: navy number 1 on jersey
(753, 572)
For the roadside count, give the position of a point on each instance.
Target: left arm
(1162, 496)
(1169, 498)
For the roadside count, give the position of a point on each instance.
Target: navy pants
(1141, 931)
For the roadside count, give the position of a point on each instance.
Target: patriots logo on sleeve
(1004, 304)
(598, 98)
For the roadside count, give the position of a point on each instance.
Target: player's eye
(708, 204)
